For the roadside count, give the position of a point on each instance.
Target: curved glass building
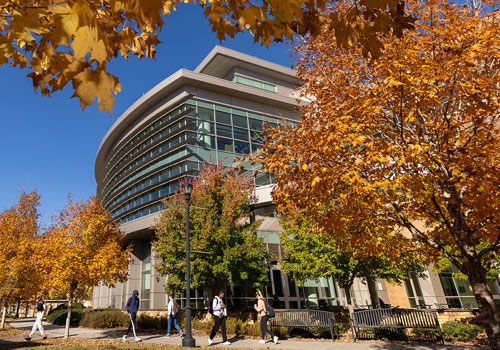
(212, 114)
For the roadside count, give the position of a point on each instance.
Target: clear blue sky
(49, 144)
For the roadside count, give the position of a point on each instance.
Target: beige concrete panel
(139, 224)
(437, 286)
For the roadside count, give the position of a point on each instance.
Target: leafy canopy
(21, 276)
(311, 253)
(84, 247)
(224, 245)
(411, 137)
(71, 41)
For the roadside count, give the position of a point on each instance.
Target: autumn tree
(413, 136)
(312, 253)
(71, 41)
(84, 248)
(224, 245)
(21, 275)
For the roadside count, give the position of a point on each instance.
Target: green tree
(311, 254)
(224, 245)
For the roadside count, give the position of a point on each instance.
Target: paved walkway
(54, 331)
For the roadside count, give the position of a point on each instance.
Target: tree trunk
(68, 318)
(349, 299)
(372, 289)
(488, 311)
(17, 308)
(4, 314)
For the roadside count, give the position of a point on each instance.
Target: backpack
(211, 307)
(269, 309)
(176, 308)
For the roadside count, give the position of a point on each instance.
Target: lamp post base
(188, 342)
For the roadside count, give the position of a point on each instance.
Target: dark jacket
(133, 303)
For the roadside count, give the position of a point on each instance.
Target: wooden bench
(394, 318)
(305, 318)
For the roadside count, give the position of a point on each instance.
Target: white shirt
(170, 307)
(218, 310)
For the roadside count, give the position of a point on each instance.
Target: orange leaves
(410, 136)
(84, 244)
(20, 272)
(96, 83)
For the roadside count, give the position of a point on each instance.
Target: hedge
(104, 318)
(59, 314)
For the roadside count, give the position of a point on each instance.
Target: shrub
(425, 333)
(453, 331)
(145, 321)
(59, 314)
(342, 327)
(104, 318)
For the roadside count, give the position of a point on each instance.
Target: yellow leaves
(315, 180)
(100, 83)
(358, 140)
(84, 244)
(97, 30)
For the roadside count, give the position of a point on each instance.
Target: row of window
(160, 135)
(232, 116)
(211, 119)
(207, 126)
(169, 158)
(150, 181)
(142, 133)
(254, 83)
(155, 151)
(140, 213)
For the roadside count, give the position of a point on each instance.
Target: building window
(458, 292)
(146, 278)
(413, 290)
(255, 83)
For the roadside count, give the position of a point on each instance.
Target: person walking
(172, 311)
(220, 315)
(261, 309)
(40, 311)
(132, 308)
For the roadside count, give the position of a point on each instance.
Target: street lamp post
(188, 340)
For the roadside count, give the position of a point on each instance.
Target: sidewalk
(86, 333)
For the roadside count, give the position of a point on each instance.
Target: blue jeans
(173, 319)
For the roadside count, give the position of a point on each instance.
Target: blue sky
(49, 144)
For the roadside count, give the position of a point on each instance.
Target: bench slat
(394, 318)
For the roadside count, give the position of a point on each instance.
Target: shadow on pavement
(412, 346)
(8, 345)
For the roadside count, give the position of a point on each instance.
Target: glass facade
(255, 83)
(148, 167)
(146, 279)
(458, 292)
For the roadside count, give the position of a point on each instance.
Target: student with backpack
(220, 315)
(132, 308)
(40, 310)
(265, 311)
(172, 311)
